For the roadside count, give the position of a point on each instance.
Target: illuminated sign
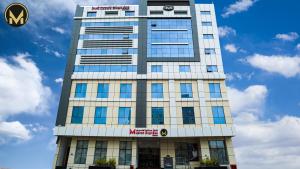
(148, 132)
(123, 8)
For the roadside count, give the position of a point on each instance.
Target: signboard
(148, 132)
(168, 8)
(120, 8)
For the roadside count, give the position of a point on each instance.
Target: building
(144, 82)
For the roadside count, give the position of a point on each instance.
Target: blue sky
(261, 55)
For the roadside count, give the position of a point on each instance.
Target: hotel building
(144, 85)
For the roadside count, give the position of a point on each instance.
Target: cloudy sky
(261, 54)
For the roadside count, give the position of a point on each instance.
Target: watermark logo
(16, 14)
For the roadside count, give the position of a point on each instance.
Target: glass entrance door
(149, 154)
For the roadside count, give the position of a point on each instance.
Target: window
(218, 151)
(124, 115)
(105, 68)
(125, 90)
(215, 90)
(111, 12)
(100, 150)
(185, 152)
(80, 90)
(208, 36)
(125, 51)
(206, 23)
(156, 12)
(125, 153)
(81, 151)
(184, 68)
(157, 90)
(103, 89)
(205, 12)
(188, 115)
(91, 14)
(123, 23)
(157, 115)
(186, 90)
(100, 115)
(106, 51)
(212, 68)
(169, 38)
(156, 68)
(218, 114)
(180, 12)
(209, 51)
(129, 13)
(77, 114)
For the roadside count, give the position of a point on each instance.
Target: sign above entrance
(123, 8)
(148, 132)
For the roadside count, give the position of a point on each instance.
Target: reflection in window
(157, 115)
(124, 115)
(188, 115)
(125, 153)
(185, 152)
(81, 151)
(100, 150)
(218, 151)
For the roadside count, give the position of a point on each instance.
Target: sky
(261, 54)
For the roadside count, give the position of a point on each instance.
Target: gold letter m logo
(16, 20)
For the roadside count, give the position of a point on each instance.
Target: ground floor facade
(142, 152)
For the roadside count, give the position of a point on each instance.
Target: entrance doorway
(148, 154)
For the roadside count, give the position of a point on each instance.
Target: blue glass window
(108, 36)
(129, 13)
(218, 114)
(125, 153)
(215, 90)
(184, 68)
(206, 23)
(100, 115)
(186, 90)
(157, 115)
(124, 115)
(209, 51)
(157, 90)
(125, 90)
(188, 115)
(212, 68)
(105, 68)
(208, 36)
(93, 24)
(77, 114)
(170, 38)
(106, 51)
(103, 89)
(156, 68)
(91, 14)
(80, 90)
(205, 12)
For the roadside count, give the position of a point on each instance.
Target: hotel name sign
(148, 132)
(120, 8)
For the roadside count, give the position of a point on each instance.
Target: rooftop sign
(123, 8)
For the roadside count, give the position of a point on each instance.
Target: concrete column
(230, 151)
(172, 94)
(204, 148)
(201, 91)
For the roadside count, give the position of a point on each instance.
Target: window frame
(158, 118)
(100, 150)
(184, 68)
(80, 90)
(77, 112)
(91, 12)
(105, 93)
(191, 118)
(186, 94)
(157, 90)
(126, 94)
(127, 151)
(103, 115)
(156, 68)
(81, 151)
(218, 149)
(215, 90)
(123, 117)
(219, 115)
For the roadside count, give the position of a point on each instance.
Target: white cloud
(264, 143)
(238, 6)
(58, 30)
(225, 31)
(239, 76)
(59, 80)
(288, 37)
(298, 46)
(283, 65)
(14, 130)
(22, 91)
(251, 100)
(231, 48)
